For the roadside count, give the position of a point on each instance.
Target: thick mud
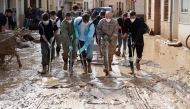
(162, 83)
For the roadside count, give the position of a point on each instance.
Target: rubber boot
(89, 67)
(132, 67)
(57, 51)
(137, 63)
(65, 64)
(110, 69)
(44, 69)
(118, 53)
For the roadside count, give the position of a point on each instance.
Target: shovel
(132, 54)
(71, 61)
(49, 81)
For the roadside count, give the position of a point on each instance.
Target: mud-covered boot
(44, 69)
(89, 67)
(65, 64)
(106, 69)
(118, 53)
(137, 63)
(110, 69)
(57, 51)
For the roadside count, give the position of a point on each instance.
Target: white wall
(90, 4)
(139, 7)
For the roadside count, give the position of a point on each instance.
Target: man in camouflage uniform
(108, 29)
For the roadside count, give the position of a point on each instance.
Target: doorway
(157, 17)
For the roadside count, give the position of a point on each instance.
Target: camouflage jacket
(111, 28)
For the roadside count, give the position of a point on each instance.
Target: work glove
(71, 37)
(82, 49)
(119, 27)
(52, 39)
(124, 36)
(49, 45)
(133, 44)
(70, 48)
(108, 42)
(104, 35)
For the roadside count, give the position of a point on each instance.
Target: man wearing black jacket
(121, 31)
(134, 26)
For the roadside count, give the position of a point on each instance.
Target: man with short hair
(55, 19)
(28, 18)
(134, 26)
(108, 29)
(68, 34)
(96, 21)
(48, 31)
(121, 32)
(3, 21)
(61, 14)
(84, 30)
(75, 12)
(39, 14)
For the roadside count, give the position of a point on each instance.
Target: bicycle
(188, 42)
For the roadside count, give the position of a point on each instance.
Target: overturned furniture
(8, 48)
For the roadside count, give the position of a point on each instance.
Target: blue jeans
(120, 41)
(27, 23)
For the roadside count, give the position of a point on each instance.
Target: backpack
(145, 26)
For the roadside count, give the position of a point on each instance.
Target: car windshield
(98, 9)
(108, 9)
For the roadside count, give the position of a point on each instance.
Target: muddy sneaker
(85, 71)
(106, 71)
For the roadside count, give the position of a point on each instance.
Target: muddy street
(162, 83)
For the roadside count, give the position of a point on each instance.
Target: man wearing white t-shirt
(55, 19)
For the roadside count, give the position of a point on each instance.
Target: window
(166, 8)
(184, 6)
(149, 9)
(101, 3)
(85, 5)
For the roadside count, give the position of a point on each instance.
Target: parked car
(105, 8)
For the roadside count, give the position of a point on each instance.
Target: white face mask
(75, 12)
(132, 20)
(108, 20)
(46, 22)
(69, 21)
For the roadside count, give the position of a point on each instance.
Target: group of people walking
(77, 31)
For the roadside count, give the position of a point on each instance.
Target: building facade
(169, 18)
(117, 5)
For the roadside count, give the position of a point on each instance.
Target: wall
(2, 8)
(183, 33)
(139, 7)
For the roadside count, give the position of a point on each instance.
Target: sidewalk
(162, 83)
